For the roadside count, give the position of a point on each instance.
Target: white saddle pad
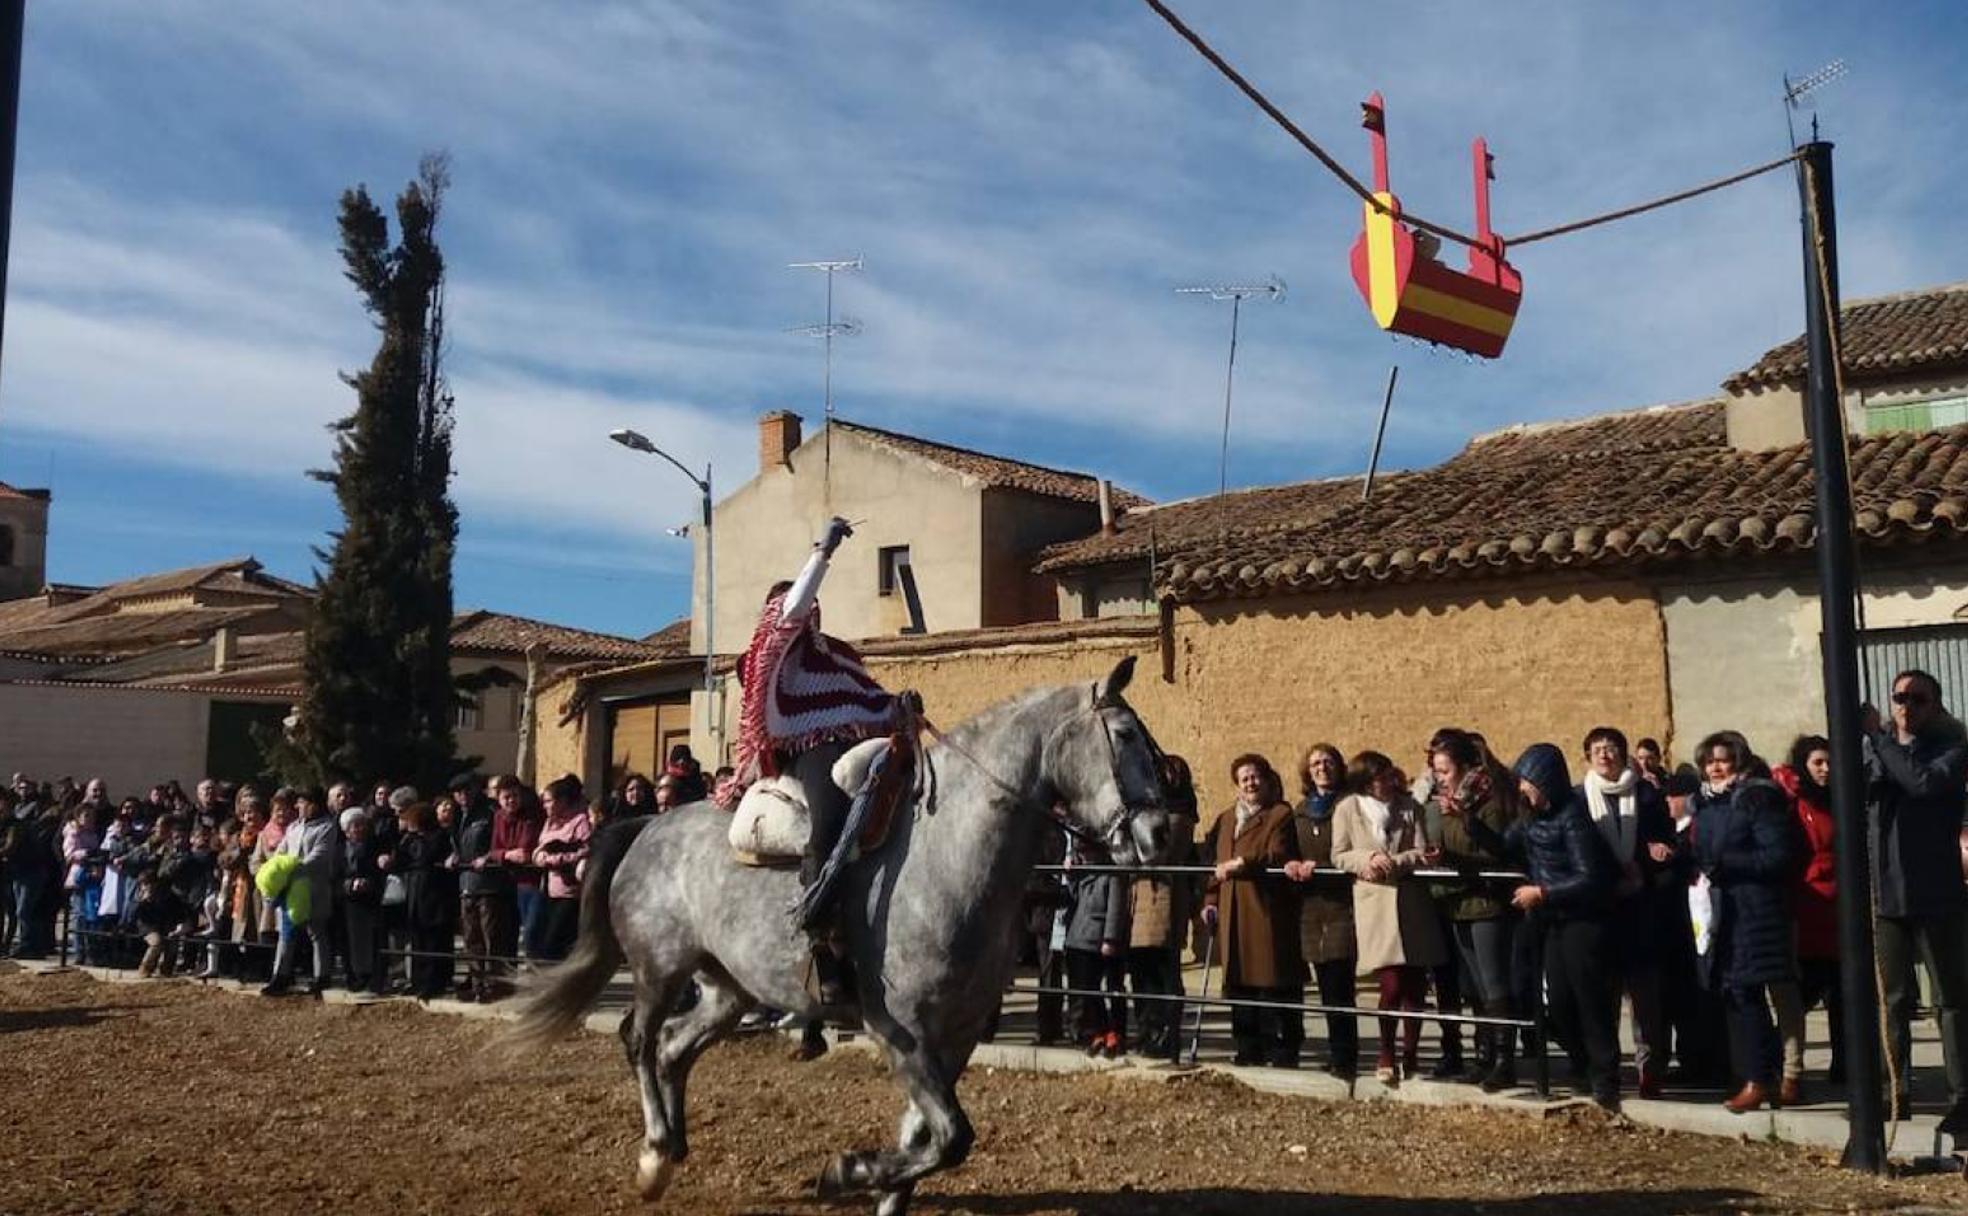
(770, 823)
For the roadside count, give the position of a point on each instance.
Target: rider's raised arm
(806, 588)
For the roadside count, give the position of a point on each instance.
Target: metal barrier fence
(1535, 1026)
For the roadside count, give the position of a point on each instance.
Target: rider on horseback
(807, 699)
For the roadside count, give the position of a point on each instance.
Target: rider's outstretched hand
(837, 531)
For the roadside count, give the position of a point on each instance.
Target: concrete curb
(1813, 1128)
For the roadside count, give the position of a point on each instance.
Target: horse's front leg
(936, 1135)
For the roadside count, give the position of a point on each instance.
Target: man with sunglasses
(1917, 768)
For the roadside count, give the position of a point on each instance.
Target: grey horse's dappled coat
(930, 920)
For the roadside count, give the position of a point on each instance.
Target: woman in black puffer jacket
(1569, 901)
(1746, 848)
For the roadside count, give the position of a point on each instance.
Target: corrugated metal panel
(1939, 649)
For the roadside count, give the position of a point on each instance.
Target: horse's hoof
(828, 1186)
(653, 1173)
(834, 1182)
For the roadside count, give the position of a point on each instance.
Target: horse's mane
(994, 716)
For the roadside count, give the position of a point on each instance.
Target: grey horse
(931, 921)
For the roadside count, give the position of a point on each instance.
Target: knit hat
(1543, 765)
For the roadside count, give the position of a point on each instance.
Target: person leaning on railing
(1255, 918)
(1325, 917)
(1377, 838)
(1479, 918)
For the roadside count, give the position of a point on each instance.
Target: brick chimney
(779, 434)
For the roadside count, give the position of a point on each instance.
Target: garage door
(1939, 649)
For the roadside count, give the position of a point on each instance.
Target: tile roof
(124, 633)
(1615, 491)
(7, 491)
(672, 640)
(996, 471)
(480, 630)
(1924, 329)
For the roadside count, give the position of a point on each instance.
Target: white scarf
(1612, 807)
(1380, 819)
(1245, 813)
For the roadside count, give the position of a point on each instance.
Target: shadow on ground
(67, 1017)
(1226, 1201)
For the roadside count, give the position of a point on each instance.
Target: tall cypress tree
(379, 699)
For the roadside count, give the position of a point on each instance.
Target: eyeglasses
(1912, 698)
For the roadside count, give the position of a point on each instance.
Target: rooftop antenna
(827, 331)
(1271, 289)
(1797, 96)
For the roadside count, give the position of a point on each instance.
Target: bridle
(1122, 827)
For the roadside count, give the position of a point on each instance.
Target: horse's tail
(555, 1006)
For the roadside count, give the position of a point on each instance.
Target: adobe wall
(1377, 670)
(1384, 669)
(131, 738)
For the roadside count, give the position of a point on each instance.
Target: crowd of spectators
(373, 887)
(1701, 900)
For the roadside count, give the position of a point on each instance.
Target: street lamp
(636, 441)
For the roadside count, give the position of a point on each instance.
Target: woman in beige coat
(1377, 838)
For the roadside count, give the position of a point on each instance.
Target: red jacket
(1816, 892)
(521, 834)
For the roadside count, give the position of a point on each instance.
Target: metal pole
(715, 719)
(1865, 1145)
(1229, 379)
(13, 17)
(1380, 432)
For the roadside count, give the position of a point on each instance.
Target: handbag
(396, 892)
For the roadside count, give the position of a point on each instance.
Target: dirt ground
(162, 1098)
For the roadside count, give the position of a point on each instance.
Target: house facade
(171, 675)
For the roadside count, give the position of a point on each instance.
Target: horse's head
(1103, 768)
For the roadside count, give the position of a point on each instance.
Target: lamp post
(638, 442)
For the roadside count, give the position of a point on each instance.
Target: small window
(890, 562)
(471, 712)
(6, 545)
(1929, 415)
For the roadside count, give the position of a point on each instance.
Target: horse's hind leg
(671, 1050)
(640, 1031)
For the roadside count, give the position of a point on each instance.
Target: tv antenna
(829, 329)
(1797, 95)
(1272, 289)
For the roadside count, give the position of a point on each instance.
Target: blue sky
(1027, 181)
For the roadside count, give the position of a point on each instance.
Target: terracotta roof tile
(481, 630)
(125, 633)
(1618, 490)
(1916, 329)
(997, 471)
(672, 640)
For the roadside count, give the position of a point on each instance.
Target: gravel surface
(163, 1098)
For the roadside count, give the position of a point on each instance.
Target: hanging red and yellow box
(1409, 290)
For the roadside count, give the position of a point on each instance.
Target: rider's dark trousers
(826, 808)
